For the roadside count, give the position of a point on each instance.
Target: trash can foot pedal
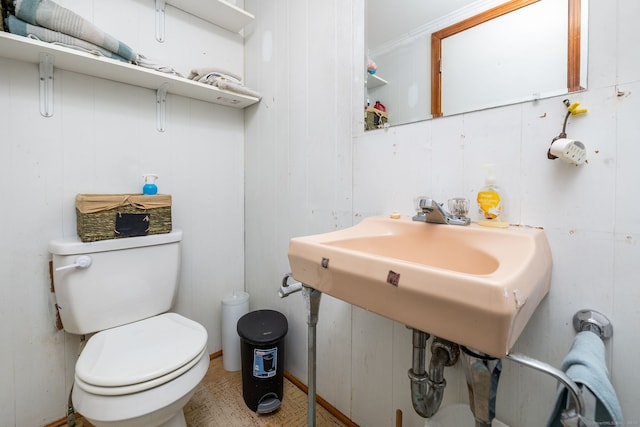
(268, 404)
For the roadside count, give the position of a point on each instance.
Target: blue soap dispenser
(150, 188)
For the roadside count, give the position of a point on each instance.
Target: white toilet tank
(128, 279)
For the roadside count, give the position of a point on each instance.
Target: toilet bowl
(456, 415)
(142, 373)
(142, 363)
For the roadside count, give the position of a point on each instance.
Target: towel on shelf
(48, 14)
(22, 28)
(222, 79)
(585, 364)
(145, 62)
(237, 88)
(213, 78)
(47, 21)
(209, 75)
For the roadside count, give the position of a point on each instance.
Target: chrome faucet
(431, 211)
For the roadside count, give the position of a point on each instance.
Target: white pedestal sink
(476, 286)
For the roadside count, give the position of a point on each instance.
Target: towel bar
(573, 416)
(544, 367)
(593, 321)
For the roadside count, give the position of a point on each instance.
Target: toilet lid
(141, 351)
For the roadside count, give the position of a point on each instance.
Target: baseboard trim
(320, 401)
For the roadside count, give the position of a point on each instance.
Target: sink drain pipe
(427, 389)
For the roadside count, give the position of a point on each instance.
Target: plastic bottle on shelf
(150, 188)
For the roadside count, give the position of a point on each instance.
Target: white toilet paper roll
(233, 308)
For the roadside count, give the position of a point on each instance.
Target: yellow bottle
(491, 202)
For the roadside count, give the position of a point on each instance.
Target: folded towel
(222, 79)
(48, 14)
(585, 364)
(22, 28)
(145, 62)
(212, 78)
(47, 21)
(199, 73)
(243, 90)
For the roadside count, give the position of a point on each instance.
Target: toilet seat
(140, 355)
(147, 408)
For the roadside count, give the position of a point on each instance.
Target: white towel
(222, 79)
(243, 90)
(199, 73)
(145, 62)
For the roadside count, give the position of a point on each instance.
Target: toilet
(142, 363)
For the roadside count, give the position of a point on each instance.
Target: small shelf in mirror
(374, 81)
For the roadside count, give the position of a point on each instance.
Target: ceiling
(389, 20)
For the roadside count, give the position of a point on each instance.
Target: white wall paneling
(588, 212)
(308, 167)
(101, 139)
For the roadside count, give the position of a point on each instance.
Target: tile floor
(218, 401)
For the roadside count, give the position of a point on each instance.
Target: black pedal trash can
(262, 335)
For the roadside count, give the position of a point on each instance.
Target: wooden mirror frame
(573, 57)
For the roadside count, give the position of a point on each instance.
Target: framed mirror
(487, 53)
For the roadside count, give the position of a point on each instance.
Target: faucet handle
(458, 206)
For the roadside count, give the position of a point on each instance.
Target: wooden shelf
(28, 50)
(218, 12)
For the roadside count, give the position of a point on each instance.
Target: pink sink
(476, 286)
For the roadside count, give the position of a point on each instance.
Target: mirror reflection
(487, 53)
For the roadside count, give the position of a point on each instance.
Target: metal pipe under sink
(427, 389)
(482, 373)
(312, 300)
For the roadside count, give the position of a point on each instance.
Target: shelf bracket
(46, 84)
(161, 106)
(160, 5)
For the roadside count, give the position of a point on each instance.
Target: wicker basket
(374, 118)
(111, 216)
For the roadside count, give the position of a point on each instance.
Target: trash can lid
(262, 326)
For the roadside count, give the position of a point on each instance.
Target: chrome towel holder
(583, 320)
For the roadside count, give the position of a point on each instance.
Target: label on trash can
(265, 362)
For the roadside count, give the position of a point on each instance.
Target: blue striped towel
(22, 28)
(48, 14)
